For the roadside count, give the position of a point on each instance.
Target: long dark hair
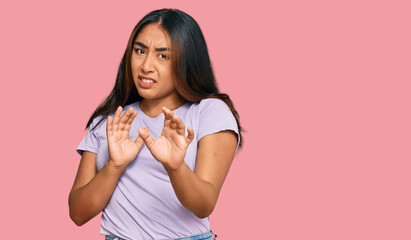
(190, 62)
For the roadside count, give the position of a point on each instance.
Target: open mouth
(146, 79)
(146, 82)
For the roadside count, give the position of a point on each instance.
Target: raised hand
(121, 149)
(170, 148)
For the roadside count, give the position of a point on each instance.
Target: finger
(124, 118)
(167, 112)
(168, 115)
(190, 135)
(180, 127)
(146, 137)
(116, 118)
(130, 121)
(173, 123)
(139, 141)
(109, 128)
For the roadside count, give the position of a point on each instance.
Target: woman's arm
(92, 190)
(197, 191)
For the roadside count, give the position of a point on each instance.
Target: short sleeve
(215, 116)
(91, 141)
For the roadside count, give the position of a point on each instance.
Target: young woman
(159, 147)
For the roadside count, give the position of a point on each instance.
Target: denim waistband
(204, 236)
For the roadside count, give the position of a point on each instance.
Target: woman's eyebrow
(161, 49)
(140, 44)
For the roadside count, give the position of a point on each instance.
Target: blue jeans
(204, 236)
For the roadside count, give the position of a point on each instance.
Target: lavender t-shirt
(144, 205)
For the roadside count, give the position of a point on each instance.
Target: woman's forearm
(88, 201)
(195, 194)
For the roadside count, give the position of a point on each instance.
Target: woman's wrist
(175, 168)
(119, 168)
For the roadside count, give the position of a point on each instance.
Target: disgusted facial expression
(151, 64)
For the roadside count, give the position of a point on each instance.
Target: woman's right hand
(121, 149)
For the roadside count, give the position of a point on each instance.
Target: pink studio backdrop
(322, 88)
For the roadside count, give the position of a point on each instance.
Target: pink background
(322, 88)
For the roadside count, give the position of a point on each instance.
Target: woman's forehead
(153, 35)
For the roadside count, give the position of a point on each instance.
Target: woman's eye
(140, 51)
(163, 56)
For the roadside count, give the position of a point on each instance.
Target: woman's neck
(152, 107)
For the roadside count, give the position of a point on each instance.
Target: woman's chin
(146, 94)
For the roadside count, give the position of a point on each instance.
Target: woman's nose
(148, 64)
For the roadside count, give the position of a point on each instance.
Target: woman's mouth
(145, 82)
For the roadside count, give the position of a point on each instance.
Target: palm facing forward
(170, 148)
(121, 149)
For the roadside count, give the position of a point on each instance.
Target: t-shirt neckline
(161, 115)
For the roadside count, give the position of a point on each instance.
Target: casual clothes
(144, 205)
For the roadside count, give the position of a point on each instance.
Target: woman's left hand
(170, 148)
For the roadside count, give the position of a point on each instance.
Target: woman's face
(151, 64)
